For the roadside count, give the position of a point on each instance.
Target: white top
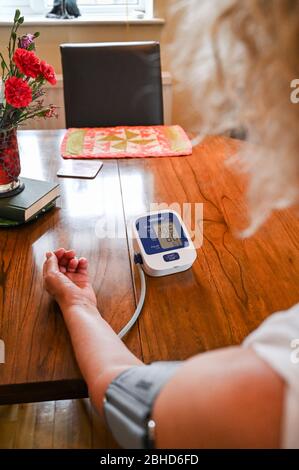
(276, 341)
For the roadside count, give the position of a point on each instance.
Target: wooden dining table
(233, 286)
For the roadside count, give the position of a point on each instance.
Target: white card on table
(80, 169)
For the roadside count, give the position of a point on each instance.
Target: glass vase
(10, 167)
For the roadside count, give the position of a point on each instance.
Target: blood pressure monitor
(163, 243)
(162, 246)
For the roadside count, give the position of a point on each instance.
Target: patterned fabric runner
(126, 142)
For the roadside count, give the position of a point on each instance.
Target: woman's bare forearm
(100, 353)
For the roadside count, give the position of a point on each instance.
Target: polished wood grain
(234, 284)
(64, 424)
(40, 364)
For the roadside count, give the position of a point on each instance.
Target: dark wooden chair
(111, 84)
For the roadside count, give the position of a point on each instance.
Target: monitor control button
(171, 257)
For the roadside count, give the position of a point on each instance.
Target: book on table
(34, 199)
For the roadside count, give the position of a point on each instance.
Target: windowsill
(84, 20)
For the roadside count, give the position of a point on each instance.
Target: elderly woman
(246, 396)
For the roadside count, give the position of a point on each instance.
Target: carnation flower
(17, 92)
(23, 79)
(26, 41)
(27, 62)
(48, 72)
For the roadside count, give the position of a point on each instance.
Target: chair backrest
(111, 84)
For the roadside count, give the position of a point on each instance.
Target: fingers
(77, 266)
(65, 261)
(72, 266)
(82, 266)
(57, 285)
(66, 257)
(51, 263)
(59, 253)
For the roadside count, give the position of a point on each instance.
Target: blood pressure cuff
(129, 400)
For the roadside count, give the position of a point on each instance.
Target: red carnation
(17, 92)
(27, 62)
(48, 72)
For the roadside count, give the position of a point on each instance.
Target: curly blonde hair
(240, 59)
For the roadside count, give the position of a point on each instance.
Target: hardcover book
(36, 196)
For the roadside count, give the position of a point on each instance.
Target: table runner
(125, 142)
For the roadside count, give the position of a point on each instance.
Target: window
(115, 8)
(7, 7)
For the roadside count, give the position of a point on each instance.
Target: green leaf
(36, 35)
(21, 20)
(3, 65)
(17, 15)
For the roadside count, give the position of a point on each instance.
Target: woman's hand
(66, 279)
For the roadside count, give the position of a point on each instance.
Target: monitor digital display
(167, 235)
